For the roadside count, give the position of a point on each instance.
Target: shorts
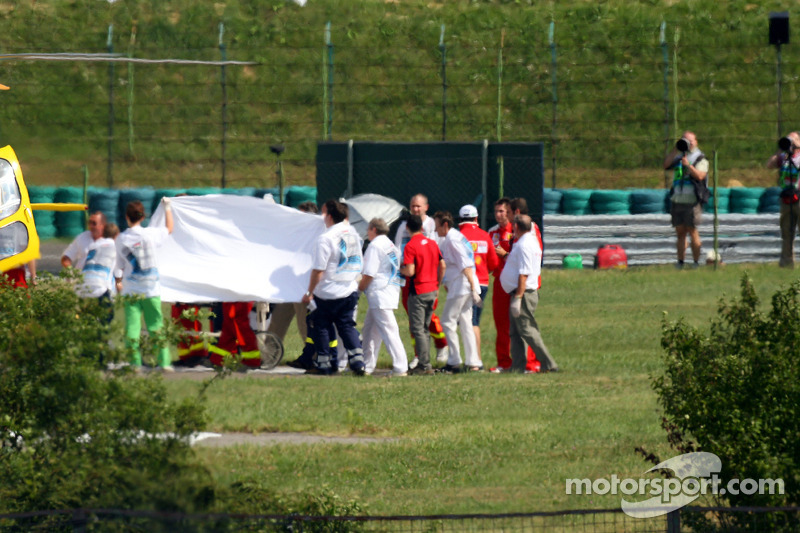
(476, 311)
(689, 215)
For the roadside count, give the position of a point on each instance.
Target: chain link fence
(717, 520)
(605, 114)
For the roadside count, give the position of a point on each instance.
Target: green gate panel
(523, 177)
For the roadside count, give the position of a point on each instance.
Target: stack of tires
(69, 223)
(611, 202)
(45, 220)
(576, 201)
(552, 201)
(144, 195)
(723, 198)
(243, 191)
(770, 201)
(107, 202)
(746, 199)
(296, 195)
(164, 193)
(647, 201)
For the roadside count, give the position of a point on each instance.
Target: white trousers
(380, 325)
(458, 312)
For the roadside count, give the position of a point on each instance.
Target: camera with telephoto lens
(682, 145)
(785, 144)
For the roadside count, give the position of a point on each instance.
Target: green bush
(734, 392)
(75, 436)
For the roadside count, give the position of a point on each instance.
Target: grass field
(484, 442)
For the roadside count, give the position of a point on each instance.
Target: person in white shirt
(521, 278)
(419, 206)
(335, 266)
(381, 282)
(94, 254)
(137, 265)
(463, 291)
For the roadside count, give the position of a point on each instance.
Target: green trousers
(150, 309)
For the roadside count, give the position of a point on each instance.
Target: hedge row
(641, 201)
(112, 203)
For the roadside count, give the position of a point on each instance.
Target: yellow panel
(22, 214)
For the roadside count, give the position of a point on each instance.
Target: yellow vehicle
(19, 242)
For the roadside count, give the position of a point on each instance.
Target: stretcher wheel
(271, 349)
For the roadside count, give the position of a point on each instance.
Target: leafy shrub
(735, 392)
(75, 436)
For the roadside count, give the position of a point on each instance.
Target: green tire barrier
(746, 199)
(244, 191)
(107, 202)
(165, 193)
(69, 223)
(552, 201)
(45, 220)
(610, 202)
(770, 201)
(649, 201)
(724, 201)
(144, 195)
(202, 191)
(259, 193)
(296, 195)
(576, 201)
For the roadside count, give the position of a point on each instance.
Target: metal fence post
(553, 139)
(484, 180)
(780, 87)
(224, 99)
(665, 56)
(349, 192)
(443, 50)
(500, 87)
(131, 45)
(329, 81)
(674, 521)
(110, 46)
(716, 214)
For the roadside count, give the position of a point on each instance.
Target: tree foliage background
(735, 392)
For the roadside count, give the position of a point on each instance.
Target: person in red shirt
(423, 268)
(486, 260)
(502, 235)
(16, 276)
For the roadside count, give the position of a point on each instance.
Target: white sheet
(236, 248)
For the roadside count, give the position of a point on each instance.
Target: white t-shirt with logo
(98, 264)
(78, 248)
(338, 254)
(382, 263)
(136, 257)
(457, 254)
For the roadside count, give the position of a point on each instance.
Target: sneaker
(475, 368)
(298, 363)
(394, 374)
(413, 364)
(499, 370)
(420, 371)
(167, 369)
(358, 372)
(451, 369)
(442, 354)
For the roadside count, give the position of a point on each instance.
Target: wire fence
(710, 519)
(606, 114)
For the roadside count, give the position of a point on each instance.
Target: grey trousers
(420, 311)
(523, 329)
(282, 315)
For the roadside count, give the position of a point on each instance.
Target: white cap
(468, 211)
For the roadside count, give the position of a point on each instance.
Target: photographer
(689, 191)
(787, 161)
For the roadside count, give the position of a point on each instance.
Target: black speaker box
(779, 27)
